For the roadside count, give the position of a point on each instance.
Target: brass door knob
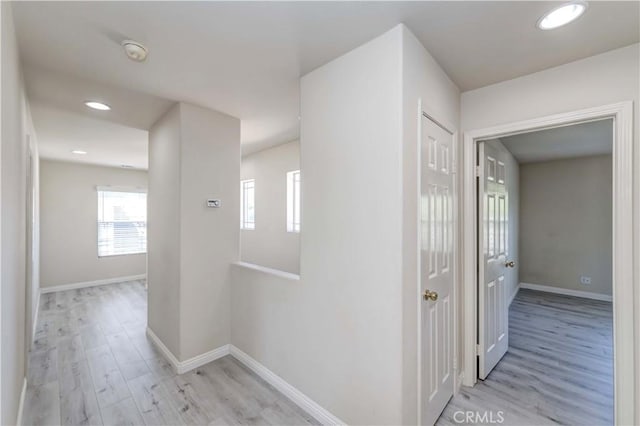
(430, 295)
(510, 264)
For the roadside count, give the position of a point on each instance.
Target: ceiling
(578, 140)
(111, 138)
(106, 143)
(245, 58)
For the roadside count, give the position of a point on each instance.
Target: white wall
(565, 210)
(335, 334)
(18, 138)
(33, 229)
(163, 229)
(426, 83)
(209, 237)
(194, 154)
(345, 334)
(269, 244)
(69, 234)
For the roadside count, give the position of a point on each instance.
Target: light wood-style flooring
(91, 364)
(558, 370)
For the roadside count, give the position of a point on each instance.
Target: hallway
(92, 363)
(558, 370)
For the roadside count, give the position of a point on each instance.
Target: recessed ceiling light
(562, 15)
(97, 105)
(79, 152)
(134, 50)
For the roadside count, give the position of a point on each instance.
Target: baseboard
(567, 292)
(73, 286)
(303, 401)
(21, 403)
(515, 293)
(181, 367)
(203, 359)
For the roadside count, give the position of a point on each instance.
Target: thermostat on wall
(214, 203)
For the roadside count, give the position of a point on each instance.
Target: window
(247, 204)
(122, 222)
(293, 201)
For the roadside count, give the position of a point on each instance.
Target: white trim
(21, 403)
(418, 262)
(181, 367)
(567, 291)
(73, 286)
(270, 271)
(115, 188)
(624, 286)
(515, 293)
(202, 359)
(35, 316)
(165, 351)
(302, 400)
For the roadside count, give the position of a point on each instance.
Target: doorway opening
(545, 278)
(480, 320)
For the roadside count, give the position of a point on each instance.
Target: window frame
(246, 224)
(294, 205)
(100, 219)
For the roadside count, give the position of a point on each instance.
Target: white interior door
(495, 279)
(436, 262)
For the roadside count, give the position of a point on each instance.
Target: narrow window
(247, 204)
(293, 201)
(122, 222)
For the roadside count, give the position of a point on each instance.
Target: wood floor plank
(109, 384)
(160, 367)
(187, 401)
(92, 337)
(78, 402)
(42, 405)
(70, 349)
(94, 364)
(123, 413)
(558, 369)
(154, 401)
(43, 367)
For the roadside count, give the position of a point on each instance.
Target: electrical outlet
(585, 280)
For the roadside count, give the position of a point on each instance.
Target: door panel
(495, 281)
(436, 260)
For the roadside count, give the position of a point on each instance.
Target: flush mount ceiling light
(134, 50)
(562, 15)
(79, 152)
(97, 105)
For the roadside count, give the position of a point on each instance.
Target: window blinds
(122, 222)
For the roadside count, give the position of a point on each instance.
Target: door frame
(624, 286)
(424, 112)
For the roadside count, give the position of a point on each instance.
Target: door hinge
(478, 350)
(477, 171)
